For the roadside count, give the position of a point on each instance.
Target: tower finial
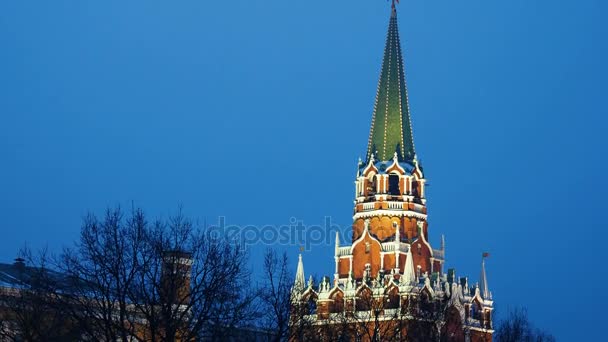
(300, 280)
(337, 250)
(485, 292)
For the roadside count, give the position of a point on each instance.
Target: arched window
(371, 185)
(392, 300)
(338, 304)
(476, 311)
(452, 329)
(393, 185)
(425, 304)
(311, 306)
(364, 300)
(415, 191)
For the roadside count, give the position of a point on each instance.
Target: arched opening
(425, 305)
(422, 327)
(393, 185)
(415, 191)
(476, 312)
(364, 300)
(311, 306)
(452, 329)
(338, 304)
(371, 185)
(392, 299)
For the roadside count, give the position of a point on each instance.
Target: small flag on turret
(485, 255)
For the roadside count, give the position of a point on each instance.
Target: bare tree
(518, 328)
(131, 280)
(193, 285)
(275, 294)
(283, 314)
(101, 269)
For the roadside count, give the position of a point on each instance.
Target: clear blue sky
(258, 110)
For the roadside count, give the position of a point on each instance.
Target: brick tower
(389, 283)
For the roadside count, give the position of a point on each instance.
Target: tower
(389, 282)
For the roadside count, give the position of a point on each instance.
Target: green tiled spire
(391, 129)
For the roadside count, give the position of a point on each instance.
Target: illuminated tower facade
(389, 283)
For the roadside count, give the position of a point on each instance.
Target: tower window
(393, 185)
(371, 185)
(476, 312)
(311, 306)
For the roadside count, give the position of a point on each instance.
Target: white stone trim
(386, 212)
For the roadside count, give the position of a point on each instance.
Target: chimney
(175, 277)
(19, 263)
